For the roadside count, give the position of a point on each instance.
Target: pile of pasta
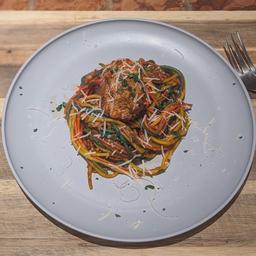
(113, 146)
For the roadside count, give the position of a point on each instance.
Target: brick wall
(127, 5)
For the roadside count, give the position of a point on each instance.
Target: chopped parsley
(124, 83)
(134, 76)
(117, 215)
(175, 134)
(185, 151)
(149, 187)
(35, 130)
(132, 92)
(162, 105)
(98, 72)
(62, 105)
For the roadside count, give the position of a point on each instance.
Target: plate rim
(105, 237)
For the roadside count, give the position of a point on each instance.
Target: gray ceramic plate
(206, 171)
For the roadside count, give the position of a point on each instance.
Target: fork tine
(233, 58)
(246, 55)
(239, 55)
(230, 57)
(225, 47)
(235, 63)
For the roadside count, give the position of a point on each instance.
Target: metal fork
(241, 61)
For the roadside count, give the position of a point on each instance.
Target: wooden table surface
(25, 231)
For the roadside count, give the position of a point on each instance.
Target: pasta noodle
(126, 113)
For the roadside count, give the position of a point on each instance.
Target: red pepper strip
(96, 81)
(78, 131)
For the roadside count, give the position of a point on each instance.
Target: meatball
(122, 98)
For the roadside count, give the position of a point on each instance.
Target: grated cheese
(174, 126)
(146, 135)
(90, 153)
(135, 98)
(143, 142)
(73, 114)
(140, 97)
(152, 86)
(113, 152)
(151, 78)
(92, 100)
(180, 117)
(77, 151)
(104, 127)
(150, 172)
(162, 151)
(97, 116)
(130, 171)
(143, 167)
(73, 105)
(136, 224)
(81, 137)
(143, 119)
(153, 114)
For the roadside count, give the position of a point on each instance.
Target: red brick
(207, 5)
(240, 5)
(142, 5)
(206, 8)
(223, 4)
(70, 4)
(13, 4)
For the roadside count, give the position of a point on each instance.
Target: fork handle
(249, 81)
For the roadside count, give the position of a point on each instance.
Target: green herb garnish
(98, 72)
(124, 83)
(97, 142)
(134, 76)
(162, 105)
(117, 215)
(149, 187)
(175, 134)
(122, 139)
(62, 105)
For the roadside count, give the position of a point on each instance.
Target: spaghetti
(126, 113)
